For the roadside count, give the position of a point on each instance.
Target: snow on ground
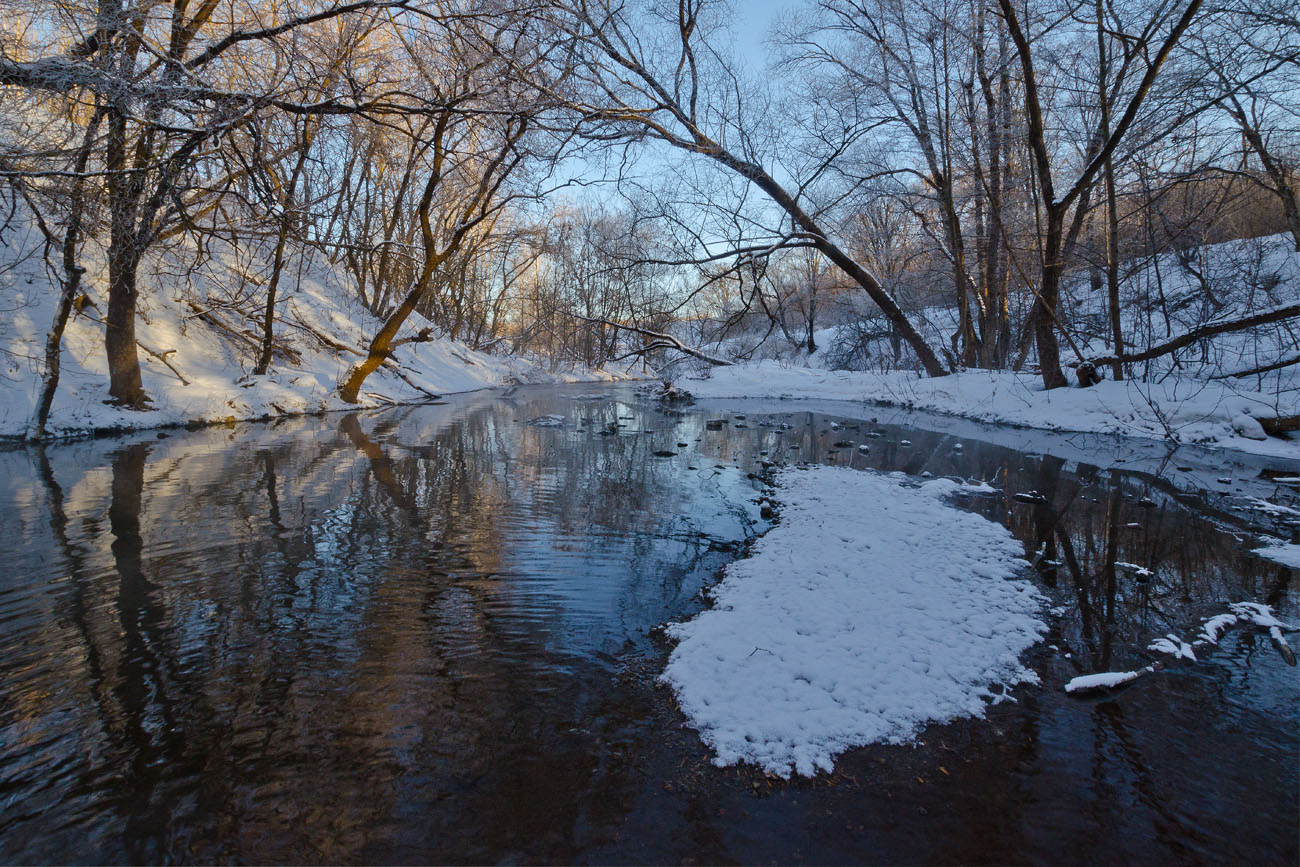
(316, 303)
(1192, 412)
(1191, 397)
(902, 614)
(1287, 555)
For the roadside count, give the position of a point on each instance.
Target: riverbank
(1179, 411)
(196, 368)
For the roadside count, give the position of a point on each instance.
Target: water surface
(429, 634)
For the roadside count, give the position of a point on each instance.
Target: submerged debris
(1171, 645)
(1107, 680)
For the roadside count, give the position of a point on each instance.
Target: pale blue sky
(753, 21)
(752, 24)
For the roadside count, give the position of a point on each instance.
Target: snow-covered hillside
(1190, 396)
(199, 347)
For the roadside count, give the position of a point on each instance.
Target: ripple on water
(429, 634)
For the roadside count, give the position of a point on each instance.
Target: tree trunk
(124, 383)
(1112, 273)
(71, 285)
(382, 345)
(1112, 207)
(277, 266)
(1045, 305)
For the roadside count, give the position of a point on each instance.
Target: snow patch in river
(869, 611)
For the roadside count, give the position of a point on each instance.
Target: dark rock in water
(682, 445)
(766, 513)
(715, 424)
(692, 468)
(665, 454)
(162, 435)
(741, 424)
(874, 434)
(740, 418)
(843, 444)
(767, 465)
(864, 448)
(1030, 497)
(1146, 503)
(672, 395)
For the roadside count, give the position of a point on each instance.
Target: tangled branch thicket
(955, 183)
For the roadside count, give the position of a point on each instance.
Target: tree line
(966, 155)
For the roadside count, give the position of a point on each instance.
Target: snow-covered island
(870, 610)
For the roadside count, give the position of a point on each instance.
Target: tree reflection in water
(429, 634)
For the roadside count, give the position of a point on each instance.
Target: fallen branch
(162, 356)
(323, 339)
(209, 316)
(1209, 329)
(1263, 368)
(664, 340)
(393, 366)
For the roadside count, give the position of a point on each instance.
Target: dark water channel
(428, 635)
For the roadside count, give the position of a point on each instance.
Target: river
(431, 634)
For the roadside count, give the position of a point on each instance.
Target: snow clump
(869, 611)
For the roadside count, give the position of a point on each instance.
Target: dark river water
(429, 634)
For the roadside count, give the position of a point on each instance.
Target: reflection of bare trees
(400, 611)
(293, 643)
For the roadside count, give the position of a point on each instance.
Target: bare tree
(652, 74)
(478, 139)
(1063, 213)
(169, 86)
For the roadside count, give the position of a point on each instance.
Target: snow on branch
(663, 340)
(1209, 329)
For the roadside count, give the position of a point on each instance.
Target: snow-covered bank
(1204, 412)
(1288, 554)
(209, 346)
(870, 610)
